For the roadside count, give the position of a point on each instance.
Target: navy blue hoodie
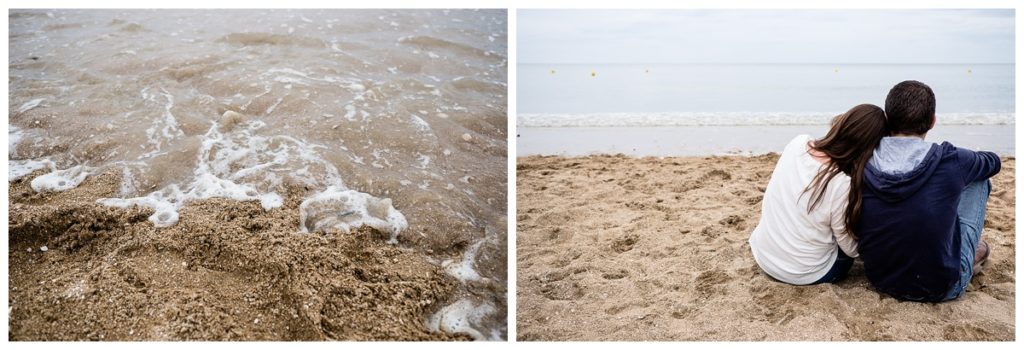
(909, 235)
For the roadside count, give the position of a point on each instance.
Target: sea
(716, 109)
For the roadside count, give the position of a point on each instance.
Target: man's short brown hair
(910, 108)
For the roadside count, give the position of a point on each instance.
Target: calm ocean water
(749, 94)
(701, 109)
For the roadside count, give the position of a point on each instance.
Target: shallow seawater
(391, 119)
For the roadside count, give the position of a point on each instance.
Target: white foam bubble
(344, 209)
(350, 112)
(727, 119)
(167, 201)
(420, 124)
(379, 161)
(274, 106)
(14, 136)
(271, 200)
(30, 105)
(60, 180)
(164, 129)
(463, 269)
(460, 317)
(423, 160)
(17, 169)
(292, 76)
(164, 204)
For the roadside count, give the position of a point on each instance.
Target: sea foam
(60, 180)
(344, 209)
(727, 119)
(462, 317)
(30, 105)
(241, 164)
(17, 169)
(463, 269)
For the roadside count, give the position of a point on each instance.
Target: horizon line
(766, 63)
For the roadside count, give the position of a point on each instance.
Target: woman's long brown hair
(848, 145)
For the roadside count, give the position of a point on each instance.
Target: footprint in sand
(636, 205)
(998, 222)
(686, 187)
(615, 310)
(557, 234)
(683, 312)
(973, 332)
(718, 174)
(614, 275)
(710, 233)
(563, 290)
(625, 244)
(753, 200)
(1002, 194)
(709, 283)
(734, 221)
(553, 276)
(566, 258)
(773, 301)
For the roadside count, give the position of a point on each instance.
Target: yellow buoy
(593, 74)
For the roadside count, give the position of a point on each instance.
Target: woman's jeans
(838, 270)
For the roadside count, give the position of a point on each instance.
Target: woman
(807, 232)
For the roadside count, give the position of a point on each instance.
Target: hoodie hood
(900, 166)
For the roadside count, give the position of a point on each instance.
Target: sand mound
(619, 248)
(228, 270)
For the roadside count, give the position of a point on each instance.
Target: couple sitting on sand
(873, 187)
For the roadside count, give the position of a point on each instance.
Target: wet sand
(228, 271)
(622, 248)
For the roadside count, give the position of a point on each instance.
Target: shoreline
(629, 248)
(721, 140)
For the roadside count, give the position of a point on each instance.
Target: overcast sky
(765, 36)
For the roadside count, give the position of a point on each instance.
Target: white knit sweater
(789, 243)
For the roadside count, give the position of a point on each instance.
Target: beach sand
(622, 248)
(228, 271)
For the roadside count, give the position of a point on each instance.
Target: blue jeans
(972, 219)
(839, 269)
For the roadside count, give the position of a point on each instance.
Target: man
(923, 205)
